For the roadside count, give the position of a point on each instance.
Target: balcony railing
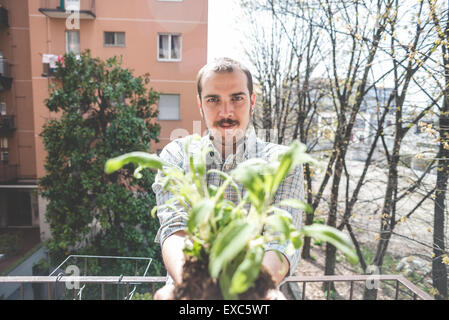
(8, 173)
(4, 23)
(58, 9)
(412, 291)
(6, 124)
(5, 77)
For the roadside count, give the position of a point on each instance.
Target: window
(114, 39)
(2, 108)
(4, 156)
(168, 107)
(4, 143)
(169, 47)
(72, 41)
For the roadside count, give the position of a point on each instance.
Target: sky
(223, 30)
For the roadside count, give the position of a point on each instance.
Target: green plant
(233, 238)
(9, 244)
(142, 296)
(103, 111)
(41, 265)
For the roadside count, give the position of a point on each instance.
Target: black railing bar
(102, 291)
(351, 290)
(304, 290)
(22, 291)
(421, 293)
(397, 290)
(49, 290)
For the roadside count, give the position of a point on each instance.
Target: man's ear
(252, 101)
(198, 101)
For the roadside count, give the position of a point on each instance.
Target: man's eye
(212, 100)
(238, 98)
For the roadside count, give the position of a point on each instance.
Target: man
(226, 101)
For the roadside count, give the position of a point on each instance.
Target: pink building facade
(166, 38)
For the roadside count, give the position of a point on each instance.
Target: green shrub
(142, 296)
(9, 244)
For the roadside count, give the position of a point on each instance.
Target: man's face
(226, 104)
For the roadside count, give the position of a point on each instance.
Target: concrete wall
(11, 291)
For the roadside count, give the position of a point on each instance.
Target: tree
(364, 52)
(103, 111)
(439, 269)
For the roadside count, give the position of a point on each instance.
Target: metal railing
(127, 281)
(7, 123)
(398, 280)
(60, 5)
(8, 172)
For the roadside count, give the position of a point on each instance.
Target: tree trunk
(439, 269)
(305, 254)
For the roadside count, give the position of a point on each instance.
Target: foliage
(233, 238)
(9, 244)
(142, 296)
(103, 111)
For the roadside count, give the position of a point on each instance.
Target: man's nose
(226, 109)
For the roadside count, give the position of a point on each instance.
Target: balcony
(6, 124)
(62, 9)
(4, 23)
(5, 76)
(8, 172)
(127, 283)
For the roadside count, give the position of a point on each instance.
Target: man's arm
(291, 188)
(277, 268)
(173, 255)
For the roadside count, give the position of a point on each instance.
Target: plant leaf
(248, 271)
(199, 213)
(142, 159)
(334, 236)
(233, 238)
(297, 204)
(280, 223)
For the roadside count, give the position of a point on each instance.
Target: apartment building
(167, 38)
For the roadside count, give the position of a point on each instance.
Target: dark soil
(198, 285)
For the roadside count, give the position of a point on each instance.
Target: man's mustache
(226, 121)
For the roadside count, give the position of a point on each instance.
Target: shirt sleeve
(291, 188)
(170, 220)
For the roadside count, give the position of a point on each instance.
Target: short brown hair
(224, 64)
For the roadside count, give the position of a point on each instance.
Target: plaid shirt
(252, 147)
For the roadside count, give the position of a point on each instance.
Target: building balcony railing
(411, 291)
(7, 124)
(8, 172)
(5, 76)
(4, 22)
(62, 9)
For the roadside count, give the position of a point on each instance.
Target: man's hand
(167, 292)
(275, 294)
(277, 268)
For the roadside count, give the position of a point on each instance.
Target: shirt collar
(245, 149)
